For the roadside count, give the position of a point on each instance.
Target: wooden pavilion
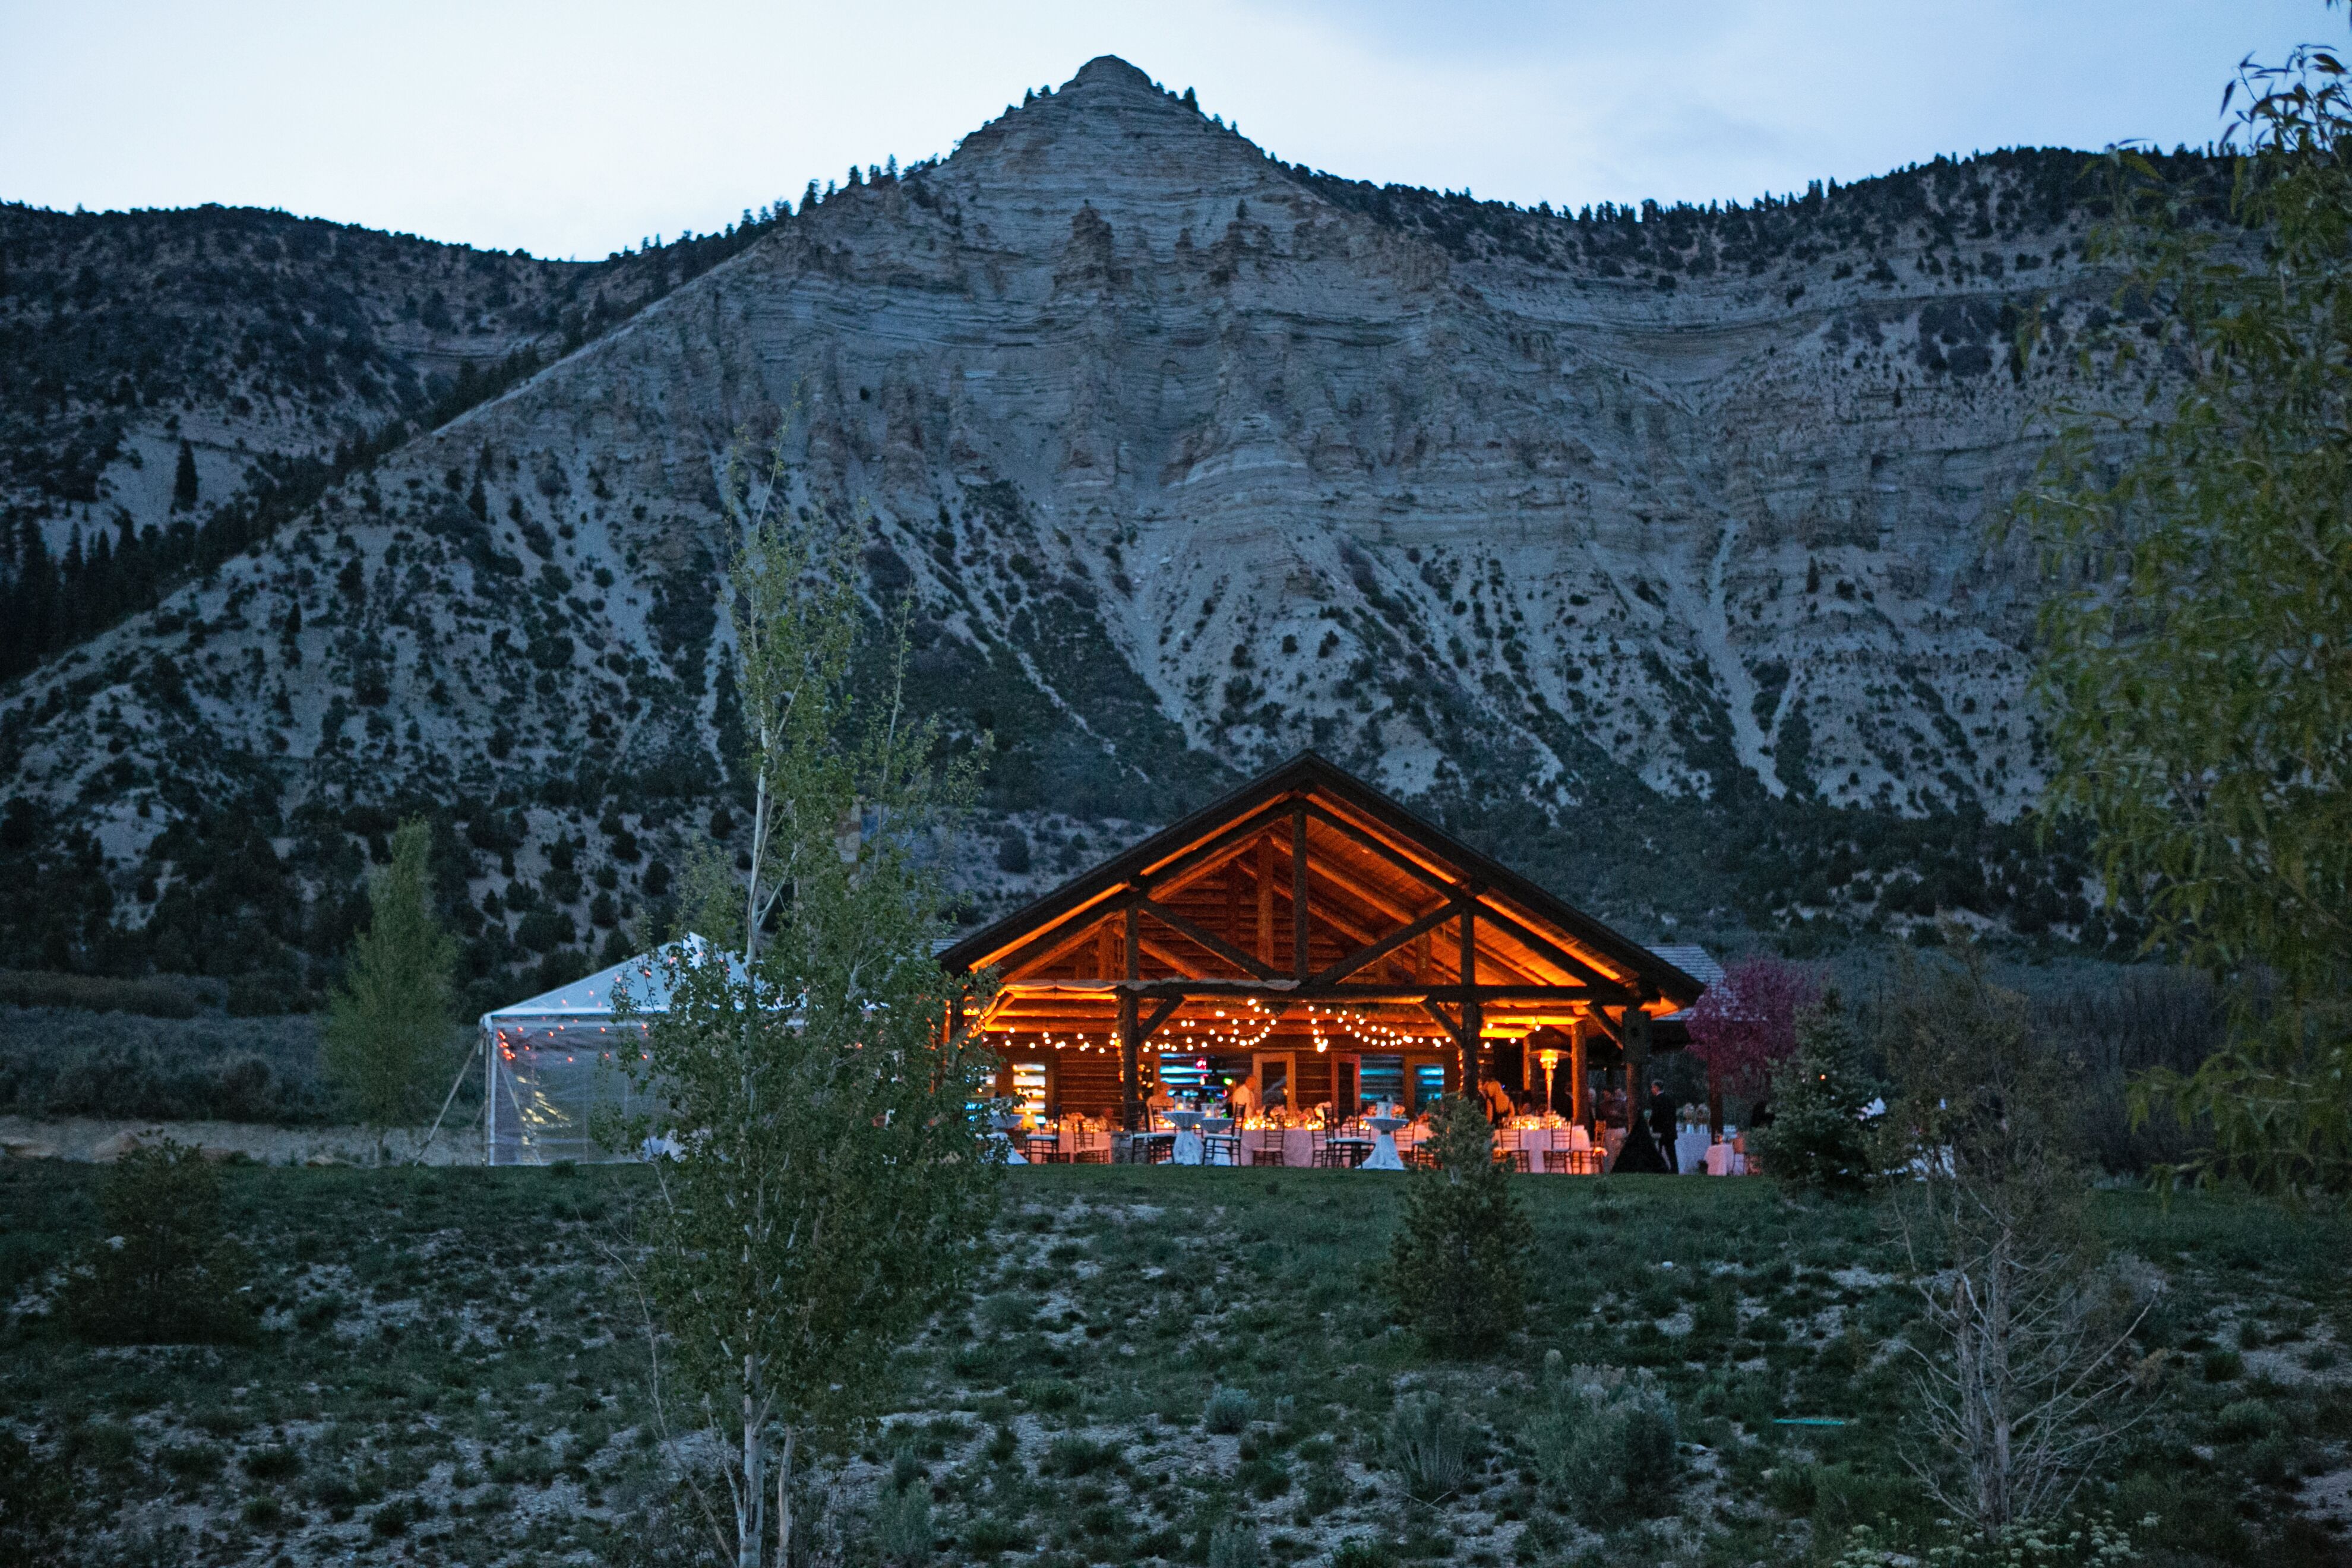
(1311, 930)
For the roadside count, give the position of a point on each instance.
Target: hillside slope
(1648, 548)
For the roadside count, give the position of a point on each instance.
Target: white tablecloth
(1384, 1155)
(1723, 1160)
(1296, 1143)
(1538, 1141)
(1691, 1145)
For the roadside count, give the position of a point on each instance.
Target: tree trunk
(748, 1533)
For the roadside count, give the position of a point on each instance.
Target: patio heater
(1550, 1059)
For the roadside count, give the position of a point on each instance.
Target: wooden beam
(1215, 944)
(1130, 1042)
(1470, 1021)
(1298, 892)
(1056, 942)
(1386, 945)
(1453, 1029)
(1265, 901)
(1449, 886)
(1159, 1016)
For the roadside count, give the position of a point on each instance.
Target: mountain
(1648, 548)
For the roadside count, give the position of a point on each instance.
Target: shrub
(166, 1273)
(1077, 1456)
(1817, 1140)
(2244, 1420)
(1009, 1312)
(1229, 1410)
(1604, 1441)
(1233, 1545)
(1364, 1552)
(1428, 1444)
(988, 1535)
(35, 1499)
(273, 1464)
(902, 1523)
(1459, 1269)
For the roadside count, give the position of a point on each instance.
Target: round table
(1188, 1146)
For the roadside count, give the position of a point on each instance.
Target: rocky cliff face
(1619, 539)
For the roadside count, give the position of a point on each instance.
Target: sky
(577, 129)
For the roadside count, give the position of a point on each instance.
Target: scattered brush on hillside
(121, 1066)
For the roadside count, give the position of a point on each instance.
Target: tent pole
(463, 1068)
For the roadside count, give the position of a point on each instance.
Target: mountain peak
(1108, 71)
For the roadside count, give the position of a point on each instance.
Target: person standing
(1497, 1100)
(1662, 1123)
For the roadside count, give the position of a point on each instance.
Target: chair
(1262, 1153)
(1042, 1148)
(1221, 1149)
(1087, 1147)
(1322, 1155)
(1556, 1161)
(1158, 1151)
(1511, 1149)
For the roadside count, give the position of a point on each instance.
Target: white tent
(552, 1062)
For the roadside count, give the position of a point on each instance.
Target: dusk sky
(578, 129)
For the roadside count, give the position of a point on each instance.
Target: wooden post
(1131, 1044)
(1714, 1103)
(1298, 893)
(1580, 1080)
(1637, 1062)
(1474, 1019)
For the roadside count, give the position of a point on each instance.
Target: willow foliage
(2198, 675)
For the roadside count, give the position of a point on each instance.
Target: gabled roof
(647, 978)
(1378, 868)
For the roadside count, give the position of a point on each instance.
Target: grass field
(452, 1374)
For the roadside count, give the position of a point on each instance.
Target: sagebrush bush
(1603, 1442)
(1233, 1545)
(1429, 1444)
(902, 1522)
(1229, 1410)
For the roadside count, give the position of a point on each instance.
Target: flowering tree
(1746, 1023)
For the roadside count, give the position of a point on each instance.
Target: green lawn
(453, 1374)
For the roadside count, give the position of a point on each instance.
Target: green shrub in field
(902, 1522)
(1362, 1553)
(988, 1535)
(2245, 1420)
(36, 1500)
(1429, 1444)
(1232, 1546)
(166, 1272)
(1603, 1442)
(1229, 1410)
(274, 1464)
(1818, 1140)
(1459, 1263)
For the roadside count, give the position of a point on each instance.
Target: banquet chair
(1042, 1148)
(1263, 1153)
(1322, 1155)
(1556, 1161)
(1158, 1151)
(1087, 1147)
(1222, 1149)
(1511, 1149)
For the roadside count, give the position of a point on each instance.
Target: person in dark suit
(1662, 1123)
